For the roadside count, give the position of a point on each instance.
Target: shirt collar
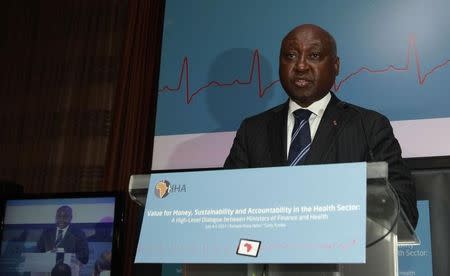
(64, 229)
(317, 107)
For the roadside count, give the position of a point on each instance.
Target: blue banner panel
(221, 54)
(220, 59)
(304, 214)
(416, 260)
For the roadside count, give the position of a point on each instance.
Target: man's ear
(336, 66)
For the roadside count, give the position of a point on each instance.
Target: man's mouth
(302, 82)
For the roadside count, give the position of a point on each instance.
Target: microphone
(366, 138)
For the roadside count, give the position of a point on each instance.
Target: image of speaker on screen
(46, 234)
(64, 237)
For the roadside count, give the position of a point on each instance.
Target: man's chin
(302, 100)
(305, 98)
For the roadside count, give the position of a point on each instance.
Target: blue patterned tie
(59, 237)
(300, 138)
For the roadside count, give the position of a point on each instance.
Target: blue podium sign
(303, 214)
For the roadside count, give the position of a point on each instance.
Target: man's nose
(301, 64)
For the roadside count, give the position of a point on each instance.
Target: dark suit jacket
(74, 241)
(346, 133)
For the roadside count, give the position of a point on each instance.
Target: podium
(387, 227)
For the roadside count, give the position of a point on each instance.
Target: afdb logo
(163, 188)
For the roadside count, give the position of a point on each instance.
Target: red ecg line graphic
(411, 46)
(184, 74)
(255, 65)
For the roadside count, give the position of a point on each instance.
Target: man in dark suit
(338, 132)
(65, 236)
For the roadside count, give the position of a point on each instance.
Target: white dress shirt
(317, 108)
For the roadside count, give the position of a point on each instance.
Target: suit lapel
(51, 238)
(277, 135)
(329, 125)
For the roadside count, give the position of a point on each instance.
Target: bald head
(327, 37)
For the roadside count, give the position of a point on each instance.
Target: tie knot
(302, 114)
